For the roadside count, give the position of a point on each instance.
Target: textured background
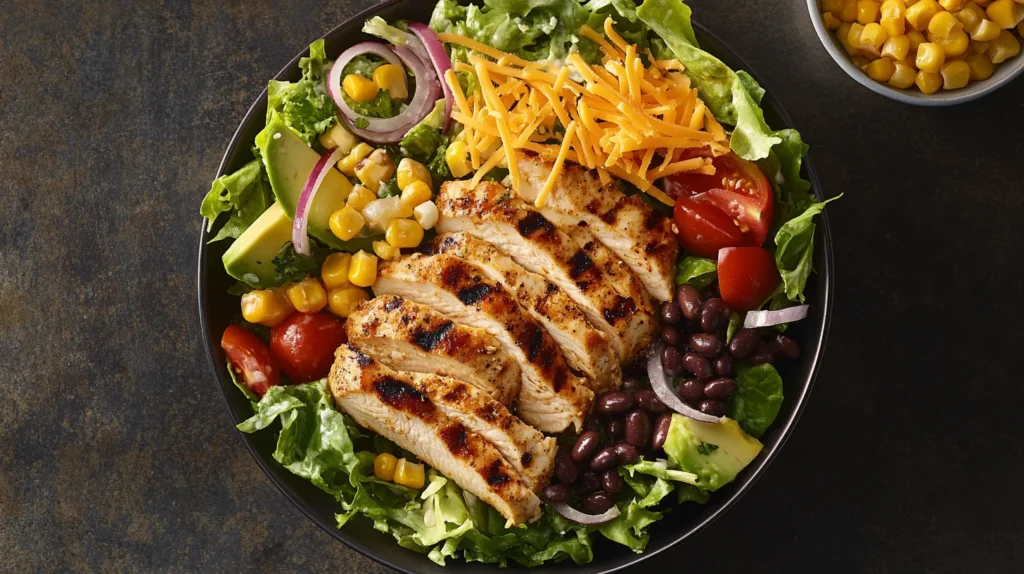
(116, 453)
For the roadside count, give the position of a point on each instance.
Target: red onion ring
(756, 319)
(442, 63)
(300, 239)
(661, 386)
(582, 518)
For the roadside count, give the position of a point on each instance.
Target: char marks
(401, 396)
(428, 340)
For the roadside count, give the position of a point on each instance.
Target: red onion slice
(300, 239)
(663, 388)
(442, 63)
(756, 319)
(582, 518)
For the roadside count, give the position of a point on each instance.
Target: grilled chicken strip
(408, 336)
(490, 213)
(619, 275)
(585, 348)
(390, 403)
(550, 397)
(638, 234)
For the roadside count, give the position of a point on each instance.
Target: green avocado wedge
(251, 257)
(715, 452)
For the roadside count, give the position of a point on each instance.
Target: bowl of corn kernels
(924, 52)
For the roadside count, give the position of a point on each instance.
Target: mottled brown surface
(117, 454)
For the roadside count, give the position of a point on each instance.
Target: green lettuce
(696, 271)
(757, 399)
(245, 194)
(794, 254)
(305, 105)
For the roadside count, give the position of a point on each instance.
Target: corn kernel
(457, 158)
(880, 70)
(1005, 13)
(849, 11)
(362, 271)
(892, 17)
(338, 137)
(854, 36)
(385, 251)
(359, 197)
(928, 82)
(982, 3)
(359, 88)
(410, 170)
(872, 38)
(921, 13)
(346, 223)
(347, 164)
(307, 296)
(375, 169)
(404, 233)
(951, 5)
(409, 474)
(830, 21)
(896, 48)
(344, 301)
(415, 193)
(955, 45)
(384, 466)
(981, 66)
(426, 214)
(1020, 29)
(955, 75)
(970, 17)
(944, 24)
(380, 212)
(987, 31)
(930, 57)
(832, 6)
(392, 78)
(334, 271)
(903, 76)
(867, 12)
(980, 47)
(843, 33)
(916, 39)
(266, 307)
(861, 62)
(1003, 48)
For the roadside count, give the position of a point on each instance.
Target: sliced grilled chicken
(619, 275)
(550, 397)
(411, 337)
(390, 404)
(488, 212)
(585, 348)
(638, 234)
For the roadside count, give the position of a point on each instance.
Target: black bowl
(217, 308)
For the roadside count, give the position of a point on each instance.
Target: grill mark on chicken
(393, 303)
(428, 340)
(362, 359)
(534, 222)
(579, 264)
(496, 475)
(526, 459)
(455, 394)
(652, 220)
(611, 215)
(473, 295)
(532, 337)
(457, 441)
(401, 396)
(623, 308)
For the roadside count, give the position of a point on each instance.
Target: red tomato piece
(251, 359)
(747, 276)
(704, 229)
(304, 345)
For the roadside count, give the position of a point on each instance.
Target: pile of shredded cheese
(618, 118)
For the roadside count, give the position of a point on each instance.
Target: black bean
(630, 384)
(723, 365)
(697, 365)
(705, 344)
(671, 335)
(785, 347)
(598, 502)
(648, 400)
(660, 433)
(720, 388)
(691, 390)
(638, 428)
(588, 482)
(690, 302)
(585, 446)
(671, 313)
(626, 453)
(611, 481)
(592, 423)
(744, 343)
(614, 403)
(763, 355)
(672, 361)
(714, 408)
(606, 457)
(565, 469)
(714, 316)
(557, 492)
(617, 428)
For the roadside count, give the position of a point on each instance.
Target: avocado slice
(289, 162)
(715, 452)
(251, 257)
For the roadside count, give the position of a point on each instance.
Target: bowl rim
(938, 99)
(814, 352)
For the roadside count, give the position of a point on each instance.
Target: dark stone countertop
(116, 453)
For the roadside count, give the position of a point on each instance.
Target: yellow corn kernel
(849, 11)
(404, 233)
(930, 57)
(943, 24)
(1020, 29)
(970, 17)
(1003, 48)
(386, 251)
(334, 271)
(410, 170)
(955, 45)
(903, 76)
(892, 17)
(981, 66)
(860, 61)
(307, 296)
(416, 193)
(346, 223)
(266, 307)
(409, 474)
(830, 21)
(457, 158)
(955, 75)
(832, 6)
(980, 47)
(951, 5)
(872, 38)
(384, 466)
(843, 35)
(392, 78)
(347, 164)
(359, 88)
(921, 13)
(986, 31)
(867, 12)
(338, 137)
(359, 197)
(344, 301)
(896, 48)
(880, 70)
(928, 82)
(1005, 13)
(426, 214)
(375, 169)
(916, 39)
(362, 272)
(854, 36)
(982, 3)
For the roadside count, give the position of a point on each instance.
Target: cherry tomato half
(251, 359)
(304, 345)
(732, 208)
(746, 276)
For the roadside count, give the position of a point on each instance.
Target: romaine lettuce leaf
(245, 194)
(305, 105)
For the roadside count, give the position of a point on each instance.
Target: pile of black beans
(694, 331)
(624, 425)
